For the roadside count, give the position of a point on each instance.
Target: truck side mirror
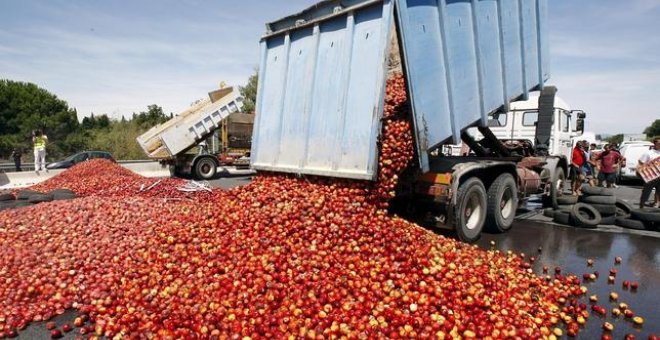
(579, 124)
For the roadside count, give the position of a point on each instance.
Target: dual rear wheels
(478, 208)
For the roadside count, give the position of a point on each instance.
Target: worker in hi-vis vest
(39, 140)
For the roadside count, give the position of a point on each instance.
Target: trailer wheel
(502, 204)
(557, 186)
(205, 168)
(471, 210)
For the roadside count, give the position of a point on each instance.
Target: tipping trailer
(321, 93)
(178, 142)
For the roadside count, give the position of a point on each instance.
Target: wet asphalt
(560, 246)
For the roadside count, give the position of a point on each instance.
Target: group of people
(595, 168)
(39, 140)
(601, 168)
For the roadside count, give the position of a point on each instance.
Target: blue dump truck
(322, 80)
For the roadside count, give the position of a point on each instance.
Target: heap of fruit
(280, 257)
(100, 177)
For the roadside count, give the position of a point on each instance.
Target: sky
(117, 57)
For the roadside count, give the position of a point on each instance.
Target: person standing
(39, 139)
(609, 165)
(650, 155)
(577, 163)
(16, 155)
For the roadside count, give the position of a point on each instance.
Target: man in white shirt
(653, 153)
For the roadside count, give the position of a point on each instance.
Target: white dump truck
(180, 143)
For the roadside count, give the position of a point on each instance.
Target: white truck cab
(519, 123)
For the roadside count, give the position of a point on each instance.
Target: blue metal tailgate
(321, 87)
(467, 58)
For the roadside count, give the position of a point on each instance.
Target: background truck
(321, 93)
(517, 127)
(182, 143)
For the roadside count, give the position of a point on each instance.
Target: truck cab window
(530, 118)
(497, 119)
(564, 120)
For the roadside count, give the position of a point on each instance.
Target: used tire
(604, 209)
(22, 203)
(565, 208)
(596, 191)
(471, 210)
(608, 220)
(205, 168)
(62, 191)
(646, 214)
(63, 196)
(25, 194)
(598, 199)
(7, 197)
(585, 216)
(623, 208)
(5, 205)
(629, 224)
(39, 198)
(566, 200)
(562, 217)
(549, 212)
(501, 204)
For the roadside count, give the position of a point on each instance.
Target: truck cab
(520, 122)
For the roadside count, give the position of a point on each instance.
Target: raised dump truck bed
(321, 93)
(323, 73)
(171, 141)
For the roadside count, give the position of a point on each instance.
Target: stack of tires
(641, 219)
(596, 206)
(26, 198)
(603, 201)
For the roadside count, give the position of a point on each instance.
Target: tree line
(25, 107)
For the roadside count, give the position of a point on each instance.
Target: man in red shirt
(609, 165)
(577, 162)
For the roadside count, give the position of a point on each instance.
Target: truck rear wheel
(470, 210)
(205, 168)
(502, 204)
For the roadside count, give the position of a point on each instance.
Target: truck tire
(7, 197)
(623, 208)
(557, 186)
(39, 198)
(585, 216)
(549, 212)
(629, 224)
(205, 168)
(470, 210)
(608, 220)
(501, 204)
(646, 214)
(596, 191)
(562, 217)
(566, 200)
(604, 209)
(25, 194)
(598, 199)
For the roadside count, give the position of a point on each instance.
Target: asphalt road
(562, 246)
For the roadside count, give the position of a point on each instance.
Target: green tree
(653, 130)
(616, 139)
(249, 93)
(25, 107)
